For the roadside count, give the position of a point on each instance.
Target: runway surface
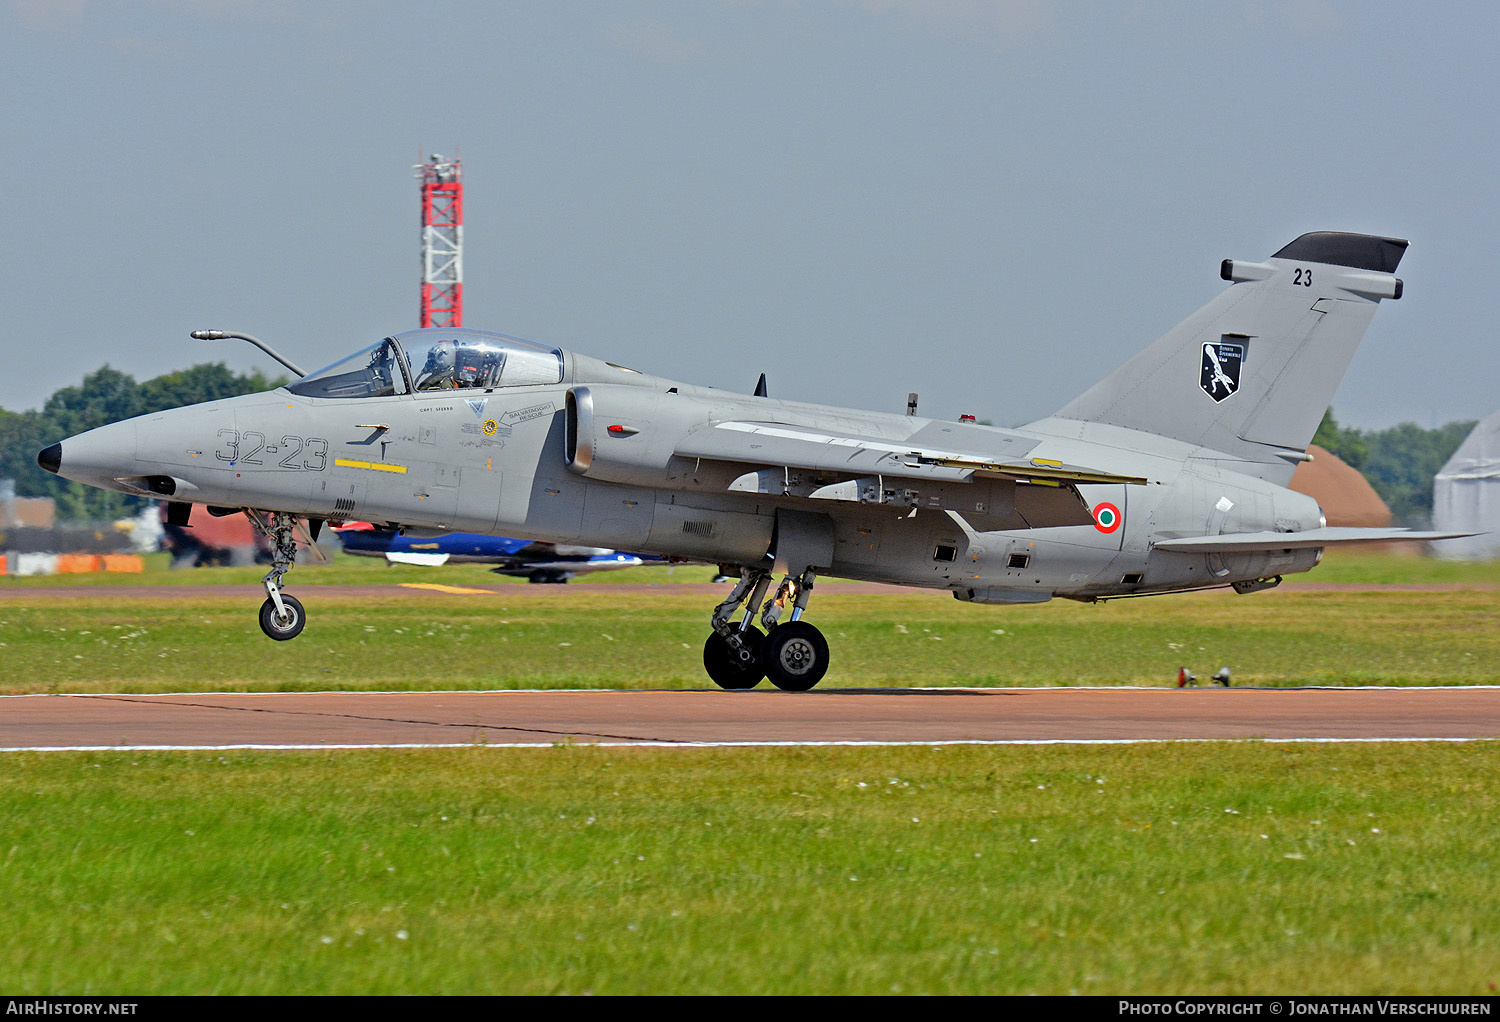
(686, 718)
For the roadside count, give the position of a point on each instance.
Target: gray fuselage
(509, 461)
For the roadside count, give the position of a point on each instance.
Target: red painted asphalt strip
(869, 715)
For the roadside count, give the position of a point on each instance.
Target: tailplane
(1252, 372)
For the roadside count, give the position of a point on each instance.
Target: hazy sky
(990, 202)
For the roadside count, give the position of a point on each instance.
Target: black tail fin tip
(1357, 251)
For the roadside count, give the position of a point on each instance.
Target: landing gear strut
(281, 616)
(794, 654)
(731, 656)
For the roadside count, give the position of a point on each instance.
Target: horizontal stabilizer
(1248, 542)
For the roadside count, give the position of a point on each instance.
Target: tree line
(1400, 462)
(104, 396)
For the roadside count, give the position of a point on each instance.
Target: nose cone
(51, 458)
(98, 457)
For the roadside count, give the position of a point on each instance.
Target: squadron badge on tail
(1221, 368)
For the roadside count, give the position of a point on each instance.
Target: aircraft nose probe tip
(51, 458)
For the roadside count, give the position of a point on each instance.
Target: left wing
(769, 443)
(990, 493)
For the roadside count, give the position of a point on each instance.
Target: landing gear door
(803, 540)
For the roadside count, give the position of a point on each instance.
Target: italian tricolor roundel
(1106, 517)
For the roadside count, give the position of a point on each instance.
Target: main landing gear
(281, 616)
(793, 655)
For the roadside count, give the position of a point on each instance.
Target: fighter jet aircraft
(518, 558)
(1168, 475)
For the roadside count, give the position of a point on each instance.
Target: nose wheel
(793, 655)
(285, 623)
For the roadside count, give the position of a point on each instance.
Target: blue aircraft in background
(518, 558)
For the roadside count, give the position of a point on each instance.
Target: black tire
(727, 667)
(282, 630)
(794, 656)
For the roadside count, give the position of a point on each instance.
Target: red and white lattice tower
(442, 241)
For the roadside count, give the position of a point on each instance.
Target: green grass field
(596, 636)
(1214, 868)
(1194, 867)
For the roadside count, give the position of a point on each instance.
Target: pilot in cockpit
(437, 373)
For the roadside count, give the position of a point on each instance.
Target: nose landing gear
(793, 655)
(281, 616)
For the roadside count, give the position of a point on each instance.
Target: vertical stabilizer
(1252, 372)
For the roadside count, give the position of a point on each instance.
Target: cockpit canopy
(435, 360)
